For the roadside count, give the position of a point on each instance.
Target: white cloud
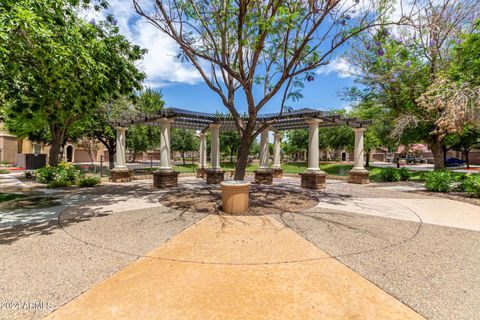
(160, 63)
(339, 66)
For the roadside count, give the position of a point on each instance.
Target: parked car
(410, 159)
(455, 162)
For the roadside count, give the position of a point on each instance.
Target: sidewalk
(236, 267)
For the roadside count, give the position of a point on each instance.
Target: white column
(313, 150)
(165, 125)
(264, 149)
(120, 162)
(277, 137)
(215, 148)
(203, 150)
(358, 156)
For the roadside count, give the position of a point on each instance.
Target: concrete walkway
(236, 267)
(437, 211)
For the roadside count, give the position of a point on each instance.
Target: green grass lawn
(292, 167)
(298, 167)
(9, 196)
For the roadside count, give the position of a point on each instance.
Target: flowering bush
(63, 174)
(417, 149)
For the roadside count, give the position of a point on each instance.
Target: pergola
(215, 122)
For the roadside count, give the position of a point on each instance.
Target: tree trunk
(57, 140)
(243, 152)
(232, 150)
(466, 154)
(183, 157)
(367, 158)
(444, 151)
(111, 158)
(437, 151)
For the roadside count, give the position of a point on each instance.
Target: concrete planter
(235, 196)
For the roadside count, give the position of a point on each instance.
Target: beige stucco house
(13, 148)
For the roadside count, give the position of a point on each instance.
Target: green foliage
(59, 183)
(63, 172)
(183, 140)
(65, 175)
(471, 185)
(45, 175)
(466, 62)
(389, 175)
(397, 68)
(404, 174)
(242, 48)
(229, 143)
(78, 66)
(439, 181)
(141, 138)
(297, 141)
(88, 181)
(10, 196)
(336, 138)
(4, 171)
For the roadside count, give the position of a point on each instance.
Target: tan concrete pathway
(236, 267)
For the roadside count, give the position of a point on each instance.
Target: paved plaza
(119, 251)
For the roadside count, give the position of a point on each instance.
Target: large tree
(240, 47)
(183, 141)
(77, 65)
(230, 143)
(404, 70)
(141, 138)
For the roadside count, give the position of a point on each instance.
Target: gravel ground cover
(263, 199)
(433, 269)
(50, 263)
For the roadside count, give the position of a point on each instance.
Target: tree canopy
(78, 66)
(241, 47)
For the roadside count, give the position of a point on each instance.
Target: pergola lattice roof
(200, 120)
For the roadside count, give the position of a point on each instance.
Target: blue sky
(319, 94)
(183, 87)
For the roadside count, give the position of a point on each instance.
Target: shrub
(404, 174)
(471, 185)
(4, 171)
(88, 181)
(59, 184)
(439, 181)
(63, 172)
(389, 175)
(5, 163)
(45, 175)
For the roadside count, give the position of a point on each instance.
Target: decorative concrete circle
(264, 200)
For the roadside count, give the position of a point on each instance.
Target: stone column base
(313, 180)
(277, 172)
(201, 173)
(264, 176)
(215, 176)
(120, 174)
(164, 179)
(358, 176)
